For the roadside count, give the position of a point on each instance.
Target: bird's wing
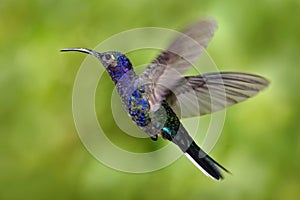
(165, 71)
(211, 92)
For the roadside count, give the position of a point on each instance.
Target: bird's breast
(138, 108)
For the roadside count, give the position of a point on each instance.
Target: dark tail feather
(204, 162)
(199, 158)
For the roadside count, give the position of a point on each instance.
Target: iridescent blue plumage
(138, 108)
(151, 99)
(118, 69)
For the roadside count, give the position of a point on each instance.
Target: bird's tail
(204, 162)
(198, 157)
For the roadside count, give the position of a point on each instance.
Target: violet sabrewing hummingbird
(151, 99)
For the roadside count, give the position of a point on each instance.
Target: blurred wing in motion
(163, 74)
(211, 92)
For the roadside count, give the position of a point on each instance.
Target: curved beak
(83, 50)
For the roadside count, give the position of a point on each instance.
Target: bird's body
(151, 98)
(161, 122)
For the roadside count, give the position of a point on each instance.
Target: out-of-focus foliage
(40, 151)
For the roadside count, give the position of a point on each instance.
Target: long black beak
(83, 50)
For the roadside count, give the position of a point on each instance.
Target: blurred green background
(40, 151)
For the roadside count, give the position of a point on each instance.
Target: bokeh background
(41, 156)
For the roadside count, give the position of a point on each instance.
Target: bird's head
(116, 63)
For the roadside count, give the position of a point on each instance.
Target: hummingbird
(161, 95)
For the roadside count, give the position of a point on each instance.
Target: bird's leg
(154, 137)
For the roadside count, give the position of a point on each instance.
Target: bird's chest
(139, 108)
(163, 121)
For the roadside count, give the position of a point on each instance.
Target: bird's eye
(107, 57)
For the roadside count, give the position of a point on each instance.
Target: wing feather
(213, 92)
(163, 74)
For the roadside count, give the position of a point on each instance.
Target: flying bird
(161, 95)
